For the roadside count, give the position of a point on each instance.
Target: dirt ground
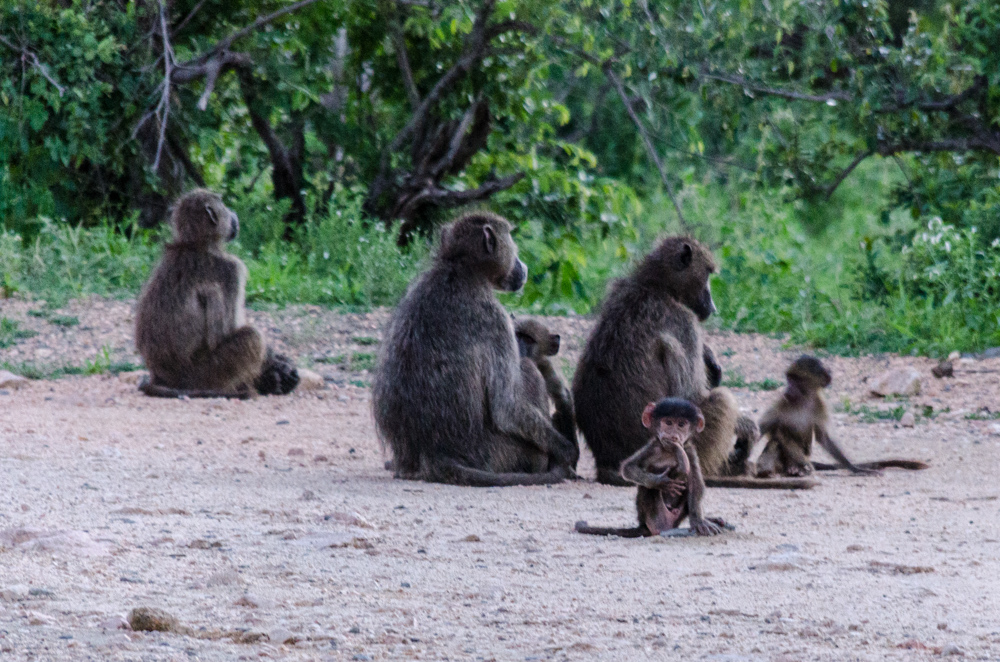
(275, 517)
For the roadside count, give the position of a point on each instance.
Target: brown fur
(190, 325)
(535, 345)
(648, 343)
(448, 395)
(799, 415)
(669, 479)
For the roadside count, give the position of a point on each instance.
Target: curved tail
(159, 391)
(463, 475)
(635, 532)
(746, 482)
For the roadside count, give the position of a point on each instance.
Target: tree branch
(650, 148)
(35, 62)
(843, 175)
(836, 95)
(180, 26)
(399, 43)
(945, 145)
(163, 108)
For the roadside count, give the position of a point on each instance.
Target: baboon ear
(700, 425)
(687, 254)
(489, 240)
(554, 340)
(647, 415)
(211, 214)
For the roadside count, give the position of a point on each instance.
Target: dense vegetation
(841, 157)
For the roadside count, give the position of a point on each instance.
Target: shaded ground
(275, 516)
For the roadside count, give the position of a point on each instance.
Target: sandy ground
(275, 516)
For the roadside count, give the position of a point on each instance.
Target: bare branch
(225, 43)
(848, 170)
(399, 43)
(747, 84)
(163, 108)
(650, 148)
(35, 62)
(180, 26)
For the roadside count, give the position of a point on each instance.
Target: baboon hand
(705, 527)
(673, 487)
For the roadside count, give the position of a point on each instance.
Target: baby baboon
(535, 345)
(800, 414)
(668, 474)
(647, 344)
(190, 325)
(448, 396)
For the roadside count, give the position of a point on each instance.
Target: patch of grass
(983, 414)
(99, 365)
(365, 341)
(354, 362)
(739, 381)
(65, 321)
(11, 332)
(868, 414)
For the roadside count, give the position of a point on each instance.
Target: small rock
(225, 577)
(321, 458)
(994, 429)
(309, 495)
(908, 420)
(942, 626)
(899, 381)
(954, 356)
(151, 619)
(951, 649)
(472, 537)
(296, 451)
(11, 381)
(35, 618)
(283, 636)
(943, 369)
(310, 381)
(350, 519)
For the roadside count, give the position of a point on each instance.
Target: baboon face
(808, 371)
(683, 267)
(534, 340)
(201, 217)
(482, 241)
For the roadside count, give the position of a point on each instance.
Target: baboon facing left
(190, 325)
(543, 383)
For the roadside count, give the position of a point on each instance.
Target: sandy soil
(275, 516)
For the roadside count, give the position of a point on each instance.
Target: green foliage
(11, 332)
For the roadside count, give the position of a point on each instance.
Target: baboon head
(200, 217)
(534, 340)
(681, 267)
(481, 241)
(807, 374)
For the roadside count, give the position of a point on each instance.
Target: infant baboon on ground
(190, 324)
(535, 345)
(648, 343)
(449, 397)
(797, 416)
(668, 474)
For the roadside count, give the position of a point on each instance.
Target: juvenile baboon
(448, 396)
(667, 473)
(535, 345)
(190, 325)
(648, 344)
(799, 415)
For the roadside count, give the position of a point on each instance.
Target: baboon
(799, 415)
(448, 396)
(667, 473)
(648, 344)
(190, 325)
(535, 345)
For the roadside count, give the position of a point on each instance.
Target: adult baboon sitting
(447, 397)
(190, 325)
(648, 344)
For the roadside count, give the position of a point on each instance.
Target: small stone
(151, 619)
(310, 381)
(247, 601)
(360, 656)
(899, 381)
(116, 622)
(994, 429)
(11, 381)
(908, 420)
(321, 458)
(942, 626)
(943, 369)
(954, 356)
(309, 495)
(296, 451)
(472, 537)
(133, 376)
(283, 636)
(951, 649)
(350, 519)
(226, 577)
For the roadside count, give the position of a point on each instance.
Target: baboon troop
(449, 396)
(648, 344)
(190, 324)
(667, 473)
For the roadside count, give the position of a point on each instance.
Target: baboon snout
(234, 226)
(515, 278)
(706, 306)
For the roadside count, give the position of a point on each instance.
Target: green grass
(365, 341)
(11, 332)
(868, 414)
(355, 361)
(983, 415)
(738, 381)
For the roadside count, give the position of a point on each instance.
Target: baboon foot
(278, 377)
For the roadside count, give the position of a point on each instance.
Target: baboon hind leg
(715, 442)
(236, 361)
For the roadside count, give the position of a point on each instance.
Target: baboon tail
(762, 483)
(460, 474)
(159, 391)
(607, 476)
(911, 465)
(635, 532)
